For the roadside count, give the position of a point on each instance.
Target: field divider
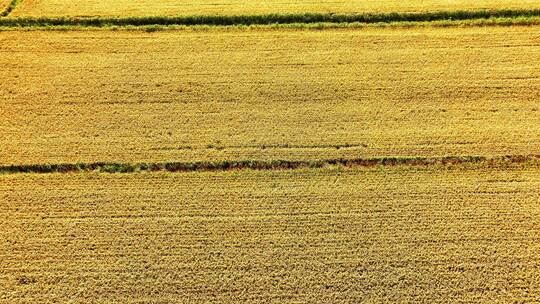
(268, 164)
(267, 19)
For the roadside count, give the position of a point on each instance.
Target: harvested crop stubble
(39, 8)
(401, 234)
(101, 96)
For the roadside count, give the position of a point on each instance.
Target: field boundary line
(268, 19)
(493, 22)
(10, 7)
(495, 161)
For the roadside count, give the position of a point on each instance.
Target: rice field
(400, 234)
(130, 96)
(269, 151)
(90, 8)
(4, 4)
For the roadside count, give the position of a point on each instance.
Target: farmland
(269, 151)
(385, 234)
(269, 94)
(39, 8)
(4, 4)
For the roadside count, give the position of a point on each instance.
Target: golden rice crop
(467, 234)
(130, 96)
(39, 8)
(269, 164)
(4, 4)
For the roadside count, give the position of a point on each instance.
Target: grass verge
(503, 16)
(518, 21)
(266, 165)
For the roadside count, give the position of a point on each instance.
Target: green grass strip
(518, 21)
(267, 165)
(246, 20)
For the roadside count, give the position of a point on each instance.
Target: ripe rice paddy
(269, 152)
(99, 96)
(385, 234)
(89, 8)
(4, 4)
